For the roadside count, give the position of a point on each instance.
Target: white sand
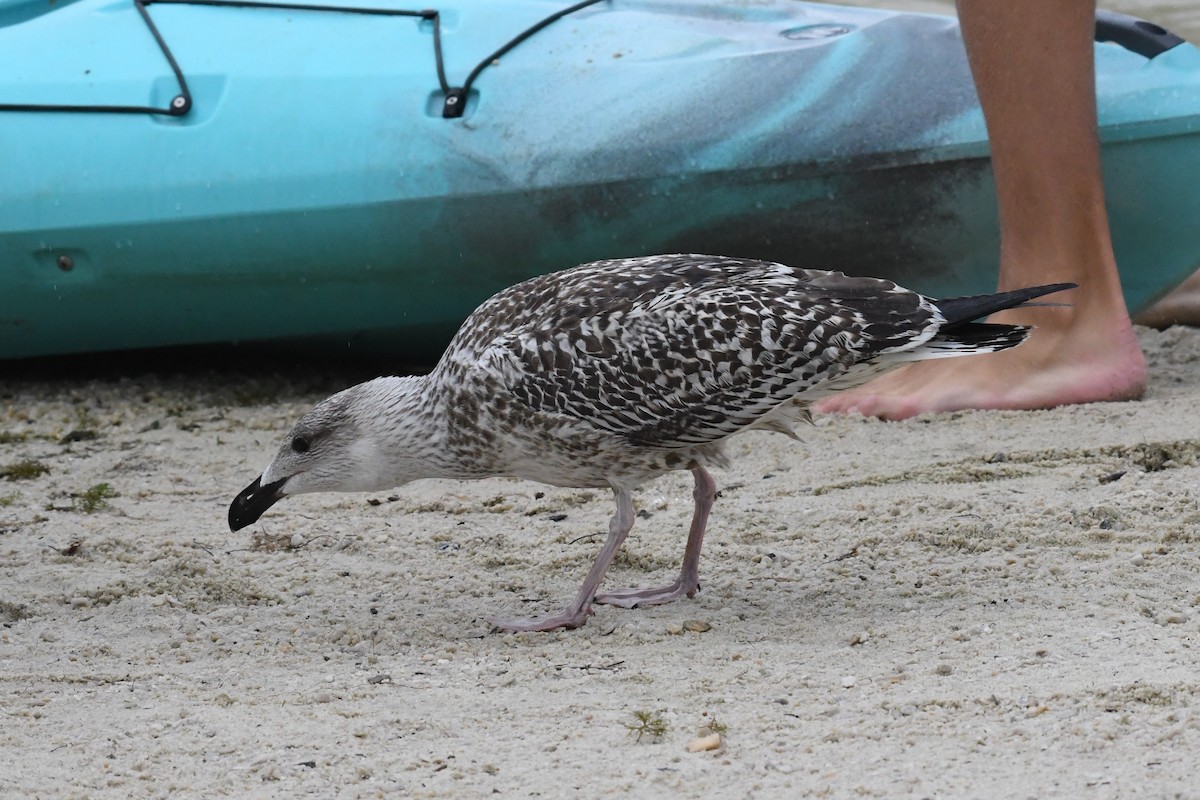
(955, 606)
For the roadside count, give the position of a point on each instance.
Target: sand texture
(965, 605)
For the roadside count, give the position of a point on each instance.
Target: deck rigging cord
(1139, 36)
(454, 97)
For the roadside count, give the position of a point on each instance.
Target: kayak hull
(311, 195)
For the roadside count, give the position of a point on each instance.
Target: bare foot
(1180, 307)
(1067, 359)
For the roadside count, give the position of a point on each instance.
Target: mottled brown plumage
(612, 373)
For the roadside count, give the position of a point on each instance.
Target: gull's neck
(404, 430)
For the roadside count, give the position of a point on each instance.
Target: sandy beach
(981, 604)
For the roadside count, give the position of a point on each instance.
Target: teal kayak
(200, 171)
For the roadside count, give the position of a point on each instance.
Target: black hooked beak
(252, 501)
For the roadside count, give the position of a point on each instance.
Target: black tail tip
(958, 310)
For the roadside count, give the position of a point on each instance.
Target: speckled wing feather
(681, 350)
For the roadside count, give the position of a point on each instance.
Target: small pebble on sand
(710, 742)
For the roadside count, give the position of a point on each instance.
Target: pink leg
(689, 576)
(574, 615)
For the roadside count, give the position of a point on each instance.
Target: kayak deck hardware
(453, 105)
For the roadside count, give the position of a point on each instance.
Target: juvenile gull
(615, 372)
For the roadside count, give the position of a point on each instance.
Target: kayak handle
(455, 102)
(1136, 35)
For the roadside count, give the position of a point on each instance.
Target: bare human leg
(688, 581)
(574, 615)
(1034, 69)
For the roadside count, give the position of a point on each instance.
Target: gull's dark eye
(300, 444)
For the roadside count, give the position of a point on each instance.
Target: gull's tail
(962, 336)
(961, 310)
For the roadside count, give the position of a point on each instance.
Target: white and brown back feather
(672, 351)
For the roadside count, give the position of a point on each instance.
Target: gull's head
(335, 447)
